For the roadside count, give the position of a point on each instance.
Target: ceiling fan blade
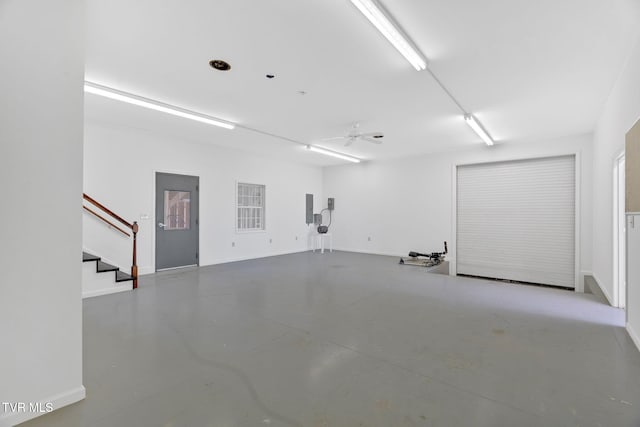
(371, 134)
(373, 140)
(349, 142)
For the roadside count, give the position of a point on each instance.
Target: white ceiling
(529, 70)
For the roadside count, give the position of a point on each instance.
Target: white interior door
(516, 220)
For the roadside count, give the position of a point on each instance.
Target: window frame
(238, 206)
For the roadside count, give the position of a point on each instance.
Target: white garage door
(516, 220)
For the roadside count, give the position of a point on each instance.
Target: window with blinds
(250, 207)
(516, 220)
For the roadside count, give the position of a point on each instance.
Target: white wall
(41, 120)
(619, 114)
(408, 204)
(120, 165)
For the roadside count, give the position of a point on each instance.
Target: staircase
(95, 283)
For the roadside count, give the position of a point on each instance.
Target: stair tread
(104, 267)
(122, 276)
(86, 257)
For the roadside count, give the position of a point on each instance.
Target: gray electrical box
(331, 203)
(317, 219)
(309, 208)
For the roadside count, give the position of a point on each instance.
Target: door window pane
(177, 210)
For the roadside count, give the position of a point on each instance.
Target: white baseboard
(121, 288)
(247, 258)
(451, 261)
(634, 336)
(151, 269)
(604, 291)
(368, 252)
(58, 401)
(145, 270)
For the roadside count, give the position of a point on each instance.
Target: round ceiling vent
(220, 65)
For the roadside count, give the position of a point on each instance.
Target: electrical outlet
(296, 237)
(270, 241)
(233, 244)
(368, 239)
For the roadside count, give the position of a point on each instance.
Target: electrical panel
(331, 203)
(309, 208)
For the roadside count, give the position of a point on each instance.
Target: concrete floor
(344, 339)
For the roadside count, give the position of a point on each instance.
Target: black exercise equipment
(425, 260)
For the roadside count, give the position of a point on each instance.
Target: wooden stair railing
(131, 226)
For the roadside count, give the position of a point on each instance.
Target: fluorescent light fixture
(129, 98)
(384, 23)
(333, 153)
(477, 127)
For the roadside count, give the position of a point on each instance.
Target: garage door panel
(516, 220)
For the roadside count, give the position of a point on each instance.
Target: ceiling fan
(354, 135)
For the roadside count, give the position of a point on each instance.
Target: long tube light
(477, 127)
(129, 98)
(375, 13)
(333, 153)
